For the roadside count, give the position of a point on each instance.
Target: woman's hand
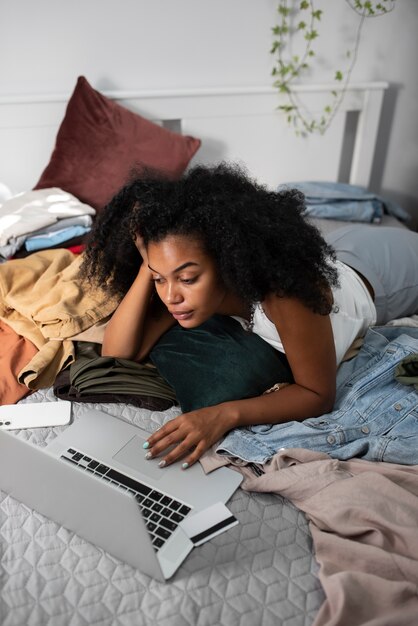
(191, 434)
(134, 329)
(139, 243)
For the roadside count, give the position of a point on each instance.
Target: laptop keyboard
(162, 514)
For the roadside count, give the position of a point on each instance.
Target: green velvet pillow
(216, 362)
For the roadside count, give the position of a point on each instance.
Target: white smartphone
(36, 415)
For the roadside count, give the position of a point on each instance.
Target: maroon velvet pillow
(99, 143)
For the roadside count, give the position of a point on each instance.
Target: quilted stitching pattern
(260, 572)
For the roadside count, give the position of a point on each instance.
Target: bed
(264, 570)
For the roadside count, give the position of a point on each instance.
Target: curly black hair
(260, 239)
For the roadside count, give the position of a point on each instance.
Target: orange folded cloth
(15, 353)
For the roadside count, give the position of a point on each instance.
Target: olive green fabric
(216, 362)
(92, 374)
(407, 371)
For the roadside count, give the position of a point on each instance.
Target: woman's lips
(181, 315)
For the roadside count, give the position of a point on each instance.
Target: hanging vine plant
(301, 20)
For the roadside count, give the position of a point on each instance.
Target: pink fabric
(364, 522)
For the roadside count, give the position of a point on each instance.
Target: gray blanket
(261, 572)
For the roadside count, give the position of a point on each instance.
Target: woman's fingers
(185, 437)
(161, 433)
(194, 456)
(178, 434)
(180, 450)
(168, 435)
(181, 447)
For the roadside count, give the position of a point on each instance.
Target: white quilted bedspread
(259, 573)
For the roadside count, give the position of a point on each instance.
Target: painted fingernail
(148, 455)
(162, 463)
(145, 445)
(185, 465)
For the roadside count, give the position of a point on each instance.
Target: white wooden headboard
(241, 124)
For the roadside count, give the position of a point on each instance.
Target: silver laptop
(93, 479)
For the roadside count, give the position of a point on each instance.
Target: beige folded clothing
(95, 333)
(43, 298)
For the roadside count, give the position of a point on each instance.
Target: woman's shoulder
(284, 310)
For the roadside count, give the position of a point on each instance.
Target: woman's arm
(309, 344)
(135, 327)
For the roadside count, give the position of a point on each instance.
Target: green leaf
(283, 10)
(285, 72)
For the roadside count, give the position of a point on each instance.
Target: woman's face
(186, 279)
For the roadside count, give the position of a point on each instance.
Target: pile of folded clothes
(41, 219)
(345, 202)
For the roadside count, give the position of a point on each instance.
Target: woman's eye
(188, 281)
(157, 279)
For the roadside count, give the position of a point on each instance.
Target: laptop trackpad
(132, 455)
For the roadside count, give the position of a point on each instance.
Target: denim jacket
(375, 417)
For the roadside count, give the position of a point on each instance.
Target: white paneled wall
(142, 44)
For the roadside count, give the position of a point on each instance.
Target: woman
(215, 242)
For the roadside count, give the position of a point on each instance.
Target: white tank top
(352, 313)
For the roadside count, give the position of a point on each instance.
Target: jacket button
(365, 429)
(398, 406)
(331, 439)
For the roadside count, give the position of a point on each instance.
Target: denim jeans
(345, 202)
(375, 417)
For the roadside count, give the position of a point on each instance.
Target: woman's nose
(173, 294)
